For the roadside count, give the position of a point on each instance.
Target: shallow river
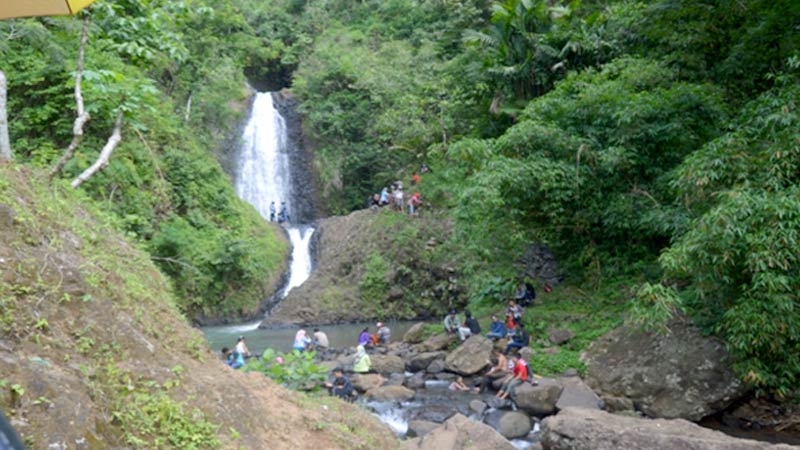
(281, 339)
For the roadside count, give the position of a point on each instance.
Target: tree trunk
(83, 116)
(105, 154)
(5, 145)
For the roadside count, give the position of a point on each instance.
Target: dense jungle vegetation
(176, 72)
(657, 142)
(653, 142)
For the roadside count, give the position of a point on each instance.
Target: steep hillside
(94, 353)
(376, 264)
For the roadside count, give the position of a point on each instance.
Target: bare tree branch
(105, 154)
(5, 144)
(83, 116)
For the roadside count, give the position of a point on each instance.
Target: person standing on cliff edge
(272, 212)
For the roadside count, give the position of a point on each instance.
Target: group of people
(395, 198)
(508, 365)
(236, 358)
(282, 213)
(317, 341)
(382, 336)
(470, 327)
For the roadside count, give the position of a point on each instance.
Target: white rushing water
(264, 176)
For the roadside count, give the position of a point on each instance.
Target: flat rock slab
(589, 429)
(460, 433)
(577, 394)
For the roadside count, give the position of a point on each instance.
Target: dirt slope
(94, 355)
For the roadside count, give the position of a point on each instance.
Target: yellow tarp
(28, 8)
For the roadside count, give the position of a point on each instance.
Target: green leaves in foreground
(297, 371)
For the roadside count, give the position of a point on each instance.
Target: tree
(82, 116)
(5, 145)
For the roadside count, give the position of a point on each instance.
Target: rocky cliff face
(376, 265)
(93, 351)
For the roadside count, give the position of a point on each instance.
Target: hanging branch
(5, 145)
(105, 154)
(83, 116)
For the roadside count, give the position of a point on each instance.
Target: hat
(380, 324)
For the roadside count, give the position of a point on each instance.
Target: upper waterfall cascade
(265, 175)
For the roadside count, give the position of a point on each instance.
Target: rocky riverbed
(409, 392)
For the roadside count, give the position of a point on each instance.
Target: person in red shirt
(415, 178)
(518, 376)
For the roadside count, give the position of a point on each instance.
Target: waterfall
(266, 174)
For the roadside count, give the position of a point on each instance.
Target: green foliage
(297, 371)
(152, 60)
(373, 285)
(153, 419)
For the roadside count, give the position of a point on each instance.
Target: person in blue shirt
(497, 330)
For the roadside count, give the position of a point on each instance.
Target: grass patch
(588, 313)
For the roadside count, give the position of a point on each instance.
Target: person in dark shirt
(470, 327)
(520, 339)
(341, 386)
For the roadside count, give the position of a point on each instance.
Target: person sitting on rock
(470, 327)
(520, 339)
(518, 376)
(501, 368)
(340, 386)
(511, 324)
(301, 341)
(458, 385)
(384, 200)
(233, 359)
(384, 334)
(497, 330)
(362, 363)
(515, 310)
(364, 338)
(241, 347)
(320, 339)
(451, 322)
(283, 214)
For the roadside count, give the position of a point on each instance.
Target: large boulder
(435, 366)
(437, 342)
(514, 424)
(560, 336)
(460, 433)
(681, 374)
(415, 334)
(422, 360)
(387, 364)
(365, 382)
(538, 400)
(577, 394)
(587, 429)
(390, 394)
(470, 357)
